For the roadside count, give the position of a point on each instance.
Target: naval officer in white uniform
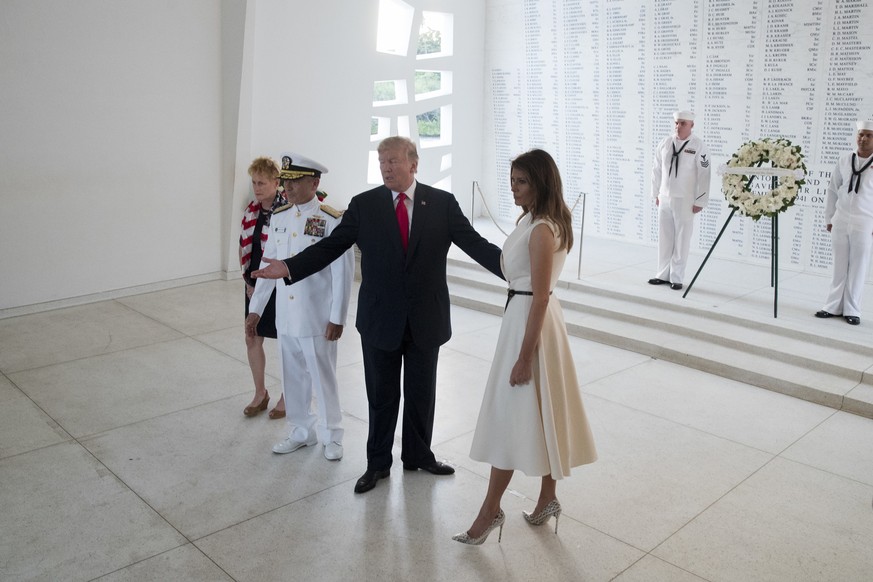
(310, 314)
(680, 187)
(849, 219)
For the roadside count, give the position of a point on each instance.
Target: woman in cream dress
(532, 418)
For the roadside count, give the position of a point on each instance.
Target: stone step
(754, 350)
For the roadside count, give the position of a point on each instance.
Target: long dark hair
(545, 179)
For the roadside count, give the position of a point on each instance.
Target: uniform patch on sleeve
(704, 163)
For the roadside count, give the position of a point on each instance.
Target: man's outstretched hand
(275, 269)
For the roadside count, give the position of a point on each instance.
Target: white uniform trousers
(309, 367)
(675, 225)
(852, 247)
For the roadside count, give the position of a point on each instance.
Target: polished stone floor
(124, 455)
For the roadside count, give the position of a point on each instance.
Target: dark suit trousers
(382, 375)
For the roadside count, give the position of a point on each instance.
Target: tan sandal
(257, 408)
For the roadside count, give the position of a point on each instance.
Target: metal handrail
(485, 204)
(584, 197)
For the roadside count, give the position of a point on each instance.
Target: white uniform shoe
(290, 445)
(333, 451)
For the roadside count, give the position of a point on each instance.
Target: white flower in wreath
(780, 153)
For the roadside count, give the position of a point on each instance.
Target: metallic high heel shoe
(257, 408)
(464, 538)
(553, 508)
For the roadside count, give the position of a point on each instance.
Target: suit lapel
(419, 219)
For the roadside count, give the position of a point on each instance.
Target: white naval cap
(296, 166)
(861, 124)
(686, 115)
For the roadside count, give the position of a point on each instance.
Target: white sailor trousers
(851, 247)
(309, 368)
(675, 226)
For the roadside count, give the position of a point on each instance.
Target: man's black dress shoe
(657, 281)
(675, 286)
(369, 478)
(823, 314)
(853, 320)
(436, 468)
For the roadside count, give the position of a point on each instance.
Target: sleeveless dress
(539, 428)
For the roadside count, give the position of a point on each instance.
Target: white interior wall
(314, 67)
(127, 129)
(595, 83)
(237, 26)
(110, 146)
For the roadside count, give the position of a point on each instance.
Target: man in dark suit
(404, 230)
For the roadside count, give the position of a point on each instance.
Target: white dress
(539, 428)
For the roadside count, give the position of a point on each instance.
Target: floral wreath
(787, 165)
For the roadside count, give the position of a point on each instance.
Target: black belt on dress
(510, 293)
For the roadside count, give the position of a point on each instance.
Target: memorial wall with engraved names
(595, 83)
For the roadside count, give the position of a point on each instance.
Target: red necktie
(402, 219)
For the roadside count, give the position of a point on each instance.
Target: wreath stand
(774, 231)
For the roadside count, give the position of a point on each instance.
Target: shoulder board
(282, 208)
(331, 211)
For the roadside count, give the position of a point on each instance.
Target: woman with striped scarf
(255, 225)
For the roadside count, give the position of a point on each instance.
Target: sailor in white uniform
(680, 187)
(310, 314)
(849, 219)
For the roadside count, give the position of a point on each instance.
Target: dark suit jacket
(397, 288)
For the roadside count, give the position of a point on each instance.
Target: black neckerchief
(856, 175)
(675, 157)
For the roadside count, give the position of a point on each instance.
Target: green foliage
(429, 41)
(429, 123)
(384, 91)
(427, 81)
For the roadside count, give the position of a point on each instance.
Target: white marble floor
(124, 455)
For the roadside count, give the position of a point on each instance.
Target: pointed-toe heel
(553, 508)
(465, 537)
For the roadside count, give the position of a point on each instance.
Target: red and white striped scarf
(250, 219)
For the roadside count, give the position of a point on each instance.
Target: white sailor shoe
(333, 451)
(289, 445)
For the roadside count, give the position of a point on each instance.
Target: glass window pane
(394, 27)
(436, 35)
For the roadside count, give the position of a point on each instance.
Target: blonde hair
(396, 141)
(266, 166)
(548, 202)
